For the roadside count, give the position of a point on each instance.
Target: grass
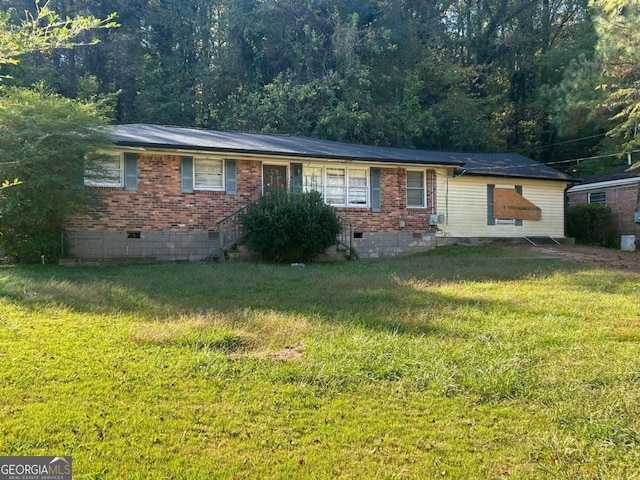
(461, 363)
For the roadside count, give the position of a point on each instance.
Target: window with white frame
(358, 183)
(312, 179)
(106, 171)
(416, 189)
(339, 186)
(336, 182)
(208, 174)
(598, 197)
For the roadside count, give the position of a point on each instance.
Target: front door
(274, 177)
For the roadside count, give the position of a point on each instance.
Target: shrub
(590, 223)
(45, 142)
(283, 226)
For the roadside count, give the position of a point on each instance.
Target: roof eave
(606, 184)
(199, 148)
(527, 177)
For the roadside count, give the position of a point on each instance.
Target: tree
(446, 75)
(617, 51)
(598, 99)
(46, 141)
(44, 30)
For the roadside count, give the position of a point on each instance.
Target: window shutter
(131, 171)
(490, 219)
(296, 178)
(231, 177)
(519, 192)
(376, 200)
(186, 172)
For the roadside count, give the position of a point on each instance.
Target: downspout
(446, 219)
(434, 179)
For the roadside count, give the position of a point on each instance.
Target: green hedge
(590, 223)
(283, 226)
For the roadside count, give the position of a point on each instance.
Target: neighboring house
(618, 189)
(169, 192)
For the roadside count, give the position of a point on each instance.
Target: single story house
(618, 189)
(176, 193)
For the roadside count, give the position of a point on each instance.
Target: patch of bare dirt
(288, 353)
(600, 257)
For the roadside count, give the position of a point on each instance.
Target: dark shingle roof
(509, 165)
(156, 136)
(617, 173)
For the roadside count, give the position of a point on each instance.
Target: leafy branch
(45, 30)
(9, 183)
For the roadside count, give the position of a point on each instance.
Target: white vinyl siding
(106, 172)
(208, 174)
(464, 202)
(416, 189)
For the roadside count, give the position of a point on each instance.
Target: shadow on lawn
(393, 295)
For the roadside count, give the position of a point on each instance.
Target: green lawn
(462, 363)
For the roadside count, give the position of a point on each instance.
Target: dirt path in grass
(596, 256)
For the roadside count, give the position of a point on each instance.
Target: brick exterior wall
(393, 189)
(160, 205)
(172, 225)
(623, 201)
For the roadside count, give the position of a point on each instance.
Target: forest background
(555, 80)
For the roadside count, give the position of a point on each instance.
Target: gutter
(479, 173)
(607, 184)
(189, 149)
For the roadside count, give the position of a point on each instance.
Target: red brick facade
(159, 204)
(394, 215)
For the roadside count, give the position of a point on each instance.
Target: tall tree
(617, 50)
(444, 74)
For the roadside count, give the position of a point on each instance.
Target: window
(416, 189)
(598, 197)
(208, 174)
(312, 179)
(106, 171)
(336, 182)
(338, 186)
(357, 186)
(501, 200)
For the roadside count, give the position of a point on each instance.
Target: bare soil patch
(288, 353)
(600, 257)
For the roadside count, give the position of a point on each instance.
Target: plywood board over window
(509, 204)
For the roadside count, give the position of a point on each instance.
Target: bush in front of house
(283, 226)
(590, 223)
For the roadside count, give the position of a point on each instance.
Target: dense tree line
(481, 75)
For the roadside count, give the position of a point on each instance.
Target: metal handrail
(231, 236)
(345, 237)
(230, 231)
